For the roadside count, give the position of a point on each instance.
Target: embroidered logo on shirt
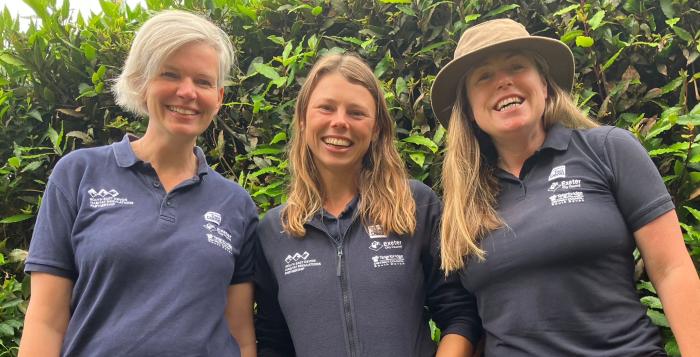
(557, 172)
(392, 244)
(297, 262)
(376, 231)
(564, 185)
(569, 197)
(388, 260)
(107, 198)
(213, 219)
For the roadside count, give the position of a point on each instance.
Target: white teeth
(337, 142)
(508, 102)
(181, 110)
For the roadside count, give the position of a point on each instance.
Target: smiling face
(507, 96)
(183, 97)
(340, 124)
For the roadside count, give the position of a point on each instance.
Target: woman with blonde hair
(140, 248)
(347, 265)
(544, 208)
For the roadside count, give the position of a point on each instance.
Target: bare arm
(47, 315)
(454, 345)
(239, 314)
(674, 276)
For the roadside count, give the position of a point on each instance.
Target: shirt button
(168, 203)
(156, 184)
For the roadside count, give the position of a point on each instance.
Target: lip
(175, 108)
(501, 98)
(332, 147)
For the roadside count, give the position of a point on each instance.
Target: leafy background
(636, 69)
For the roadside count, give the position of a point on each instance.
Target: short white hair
(157, 39)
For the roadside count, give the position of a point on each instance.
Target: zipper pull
(340, 259)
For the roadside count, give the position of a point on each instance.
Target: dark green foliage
(636, 68)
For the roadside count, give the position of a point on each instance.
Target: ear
(221, 97)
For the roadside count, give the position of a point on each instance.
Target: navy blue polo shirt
(558, 279)
(150, 269)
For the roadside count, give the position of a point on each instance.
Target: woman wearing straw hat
(543, 208)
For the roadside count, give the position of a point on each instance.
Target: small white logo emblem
(376, 231)
(297, 262)
(107, 198)
(564, 198)
(388, 260)
(213, 217)
(557, 172)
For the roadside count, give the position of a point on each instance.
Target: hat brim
(444, 90)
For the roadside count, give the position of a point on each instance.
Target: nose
(340, 119)
(186, 89)
(503, 79)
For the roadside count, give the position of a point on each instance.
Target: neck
(166, 155)
(515, 150)
(338, 190)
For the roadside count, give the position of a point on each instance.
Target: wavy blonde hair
(385, 193)
(470, 187)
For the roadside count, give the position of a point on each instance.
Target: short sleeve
(637, 185)
(245, 262)
(50, 250)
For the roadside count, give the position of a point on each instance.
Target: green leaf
(567, 9)
(264, 151)
(395, 1)
(658, 318)
(14, 162)
(652, 302)
(89, 51)
(470, 18)
(571, 36)
(32, 166)
(316, 11)
(406, 9)
(423, 141)
(418, 158)
(597, 19)
(693, 211)
(682, 33)
(10, 59)
(671, 86)
(281, 136)
(501, 10)
(276, 39)
(584, 41)
(689, 119)
(6, 329)
(16, 218)
(645, 285)
(612, 59)
(429, 48)
(266, 71)
(401, 86)
(667, 8)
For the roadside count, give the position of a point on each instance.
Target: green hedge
(636, 68)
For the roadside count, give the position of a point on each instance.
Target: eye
(325, 108)
(169, 75)
(357, 113)
(205, 83)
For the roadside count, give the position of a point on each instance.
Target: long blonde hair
(469, 185)
(385, 193)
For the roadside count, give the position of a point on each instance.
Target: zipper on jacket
(339, 248)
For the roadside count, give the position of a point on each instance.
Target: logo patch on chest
(297, 262)
(557, 172)
(387, 245)
(107, 198)
(388, 260)
(217, 235)
(376, 231)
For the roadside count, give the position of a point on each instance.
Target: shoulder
(421, 192)
(228, 189)
(271, 223)
(603, 134)
(72, 167)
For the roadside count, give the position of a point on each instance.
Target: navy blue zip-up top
(349, 289)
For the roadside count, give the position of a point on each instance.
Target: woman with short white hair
(140, 248)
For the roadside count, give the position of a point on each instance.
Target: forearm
(454, 345)
(41, 338)
(679, 291)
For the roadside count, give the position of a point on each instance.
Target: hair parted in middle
(385, 193)
(469, 185)
(159, 37)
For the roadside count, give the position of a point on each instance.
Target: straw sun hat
(485, 39)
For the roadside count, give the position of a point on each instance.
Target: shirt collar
(126, 157)
(557, 138)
